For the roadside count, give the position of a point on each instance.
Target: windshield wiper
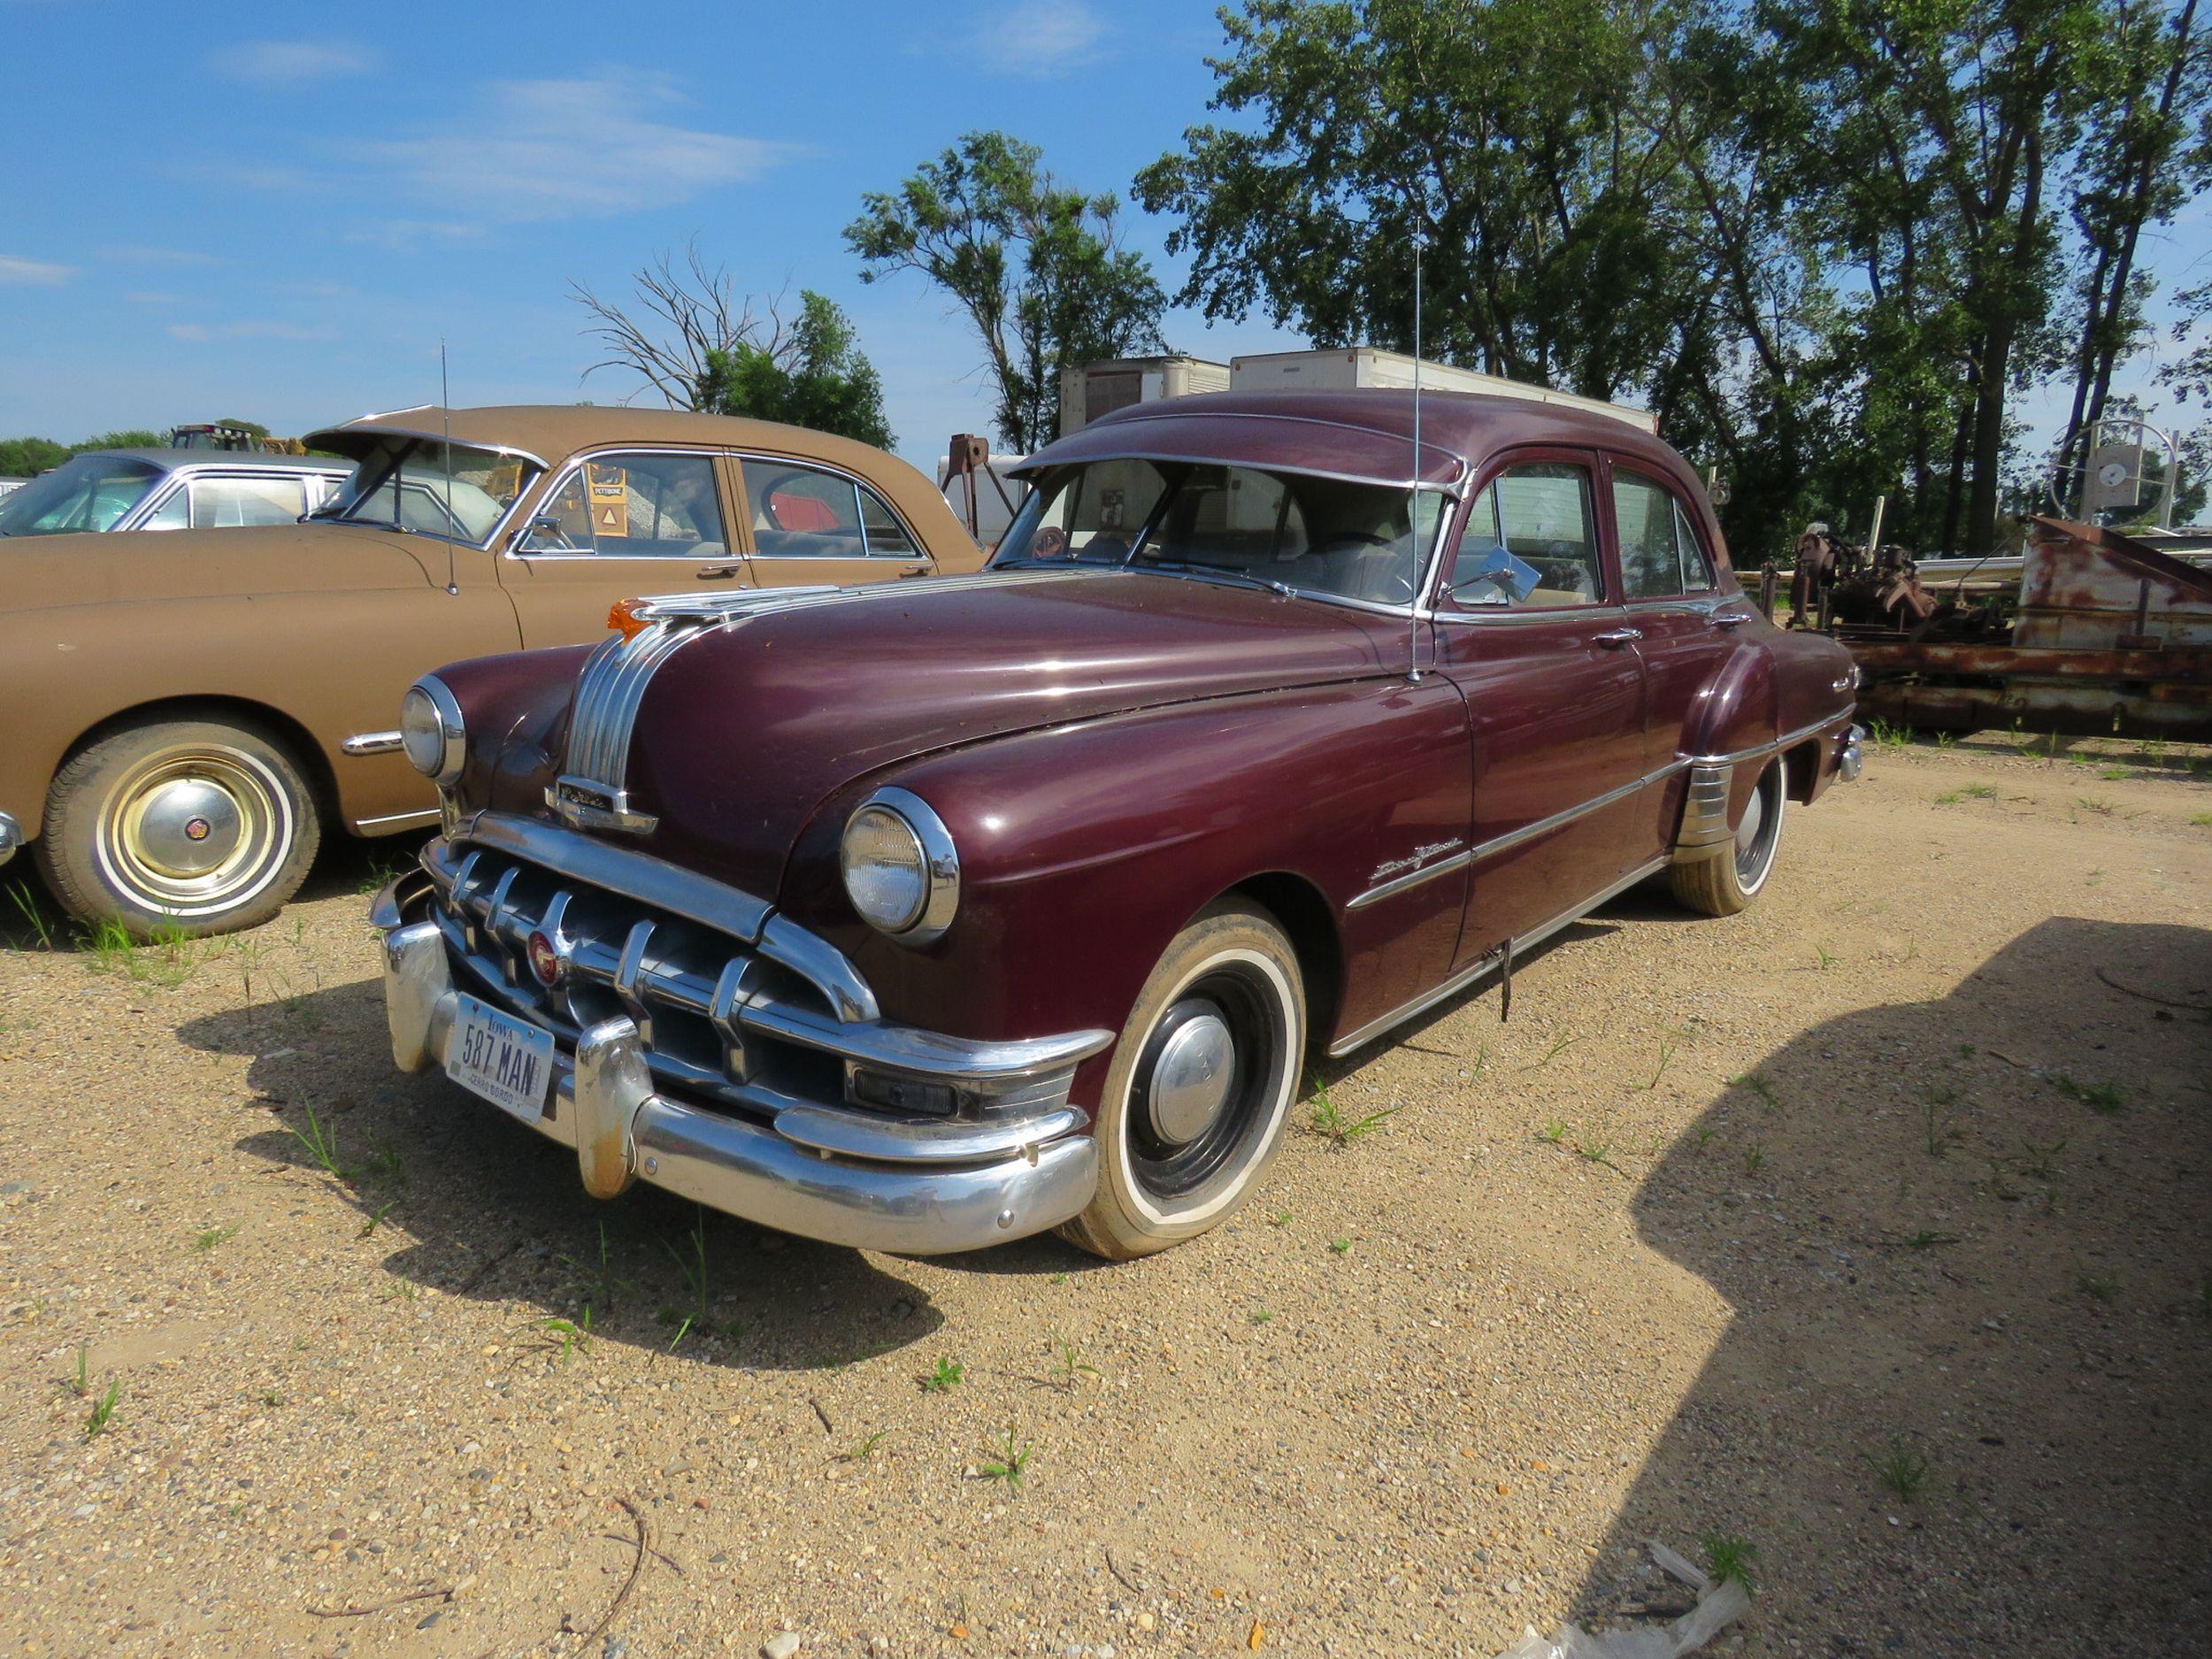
(1242, 579)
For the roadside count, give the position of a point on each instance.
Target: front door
(1668, 581)
(614, 526)
(1531, 628)
(813, 524)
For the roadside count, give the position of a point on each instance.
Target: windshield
(1291, 530)
(453, 491)
(85, 492)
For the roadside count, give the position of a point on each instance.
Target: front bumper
(11, 838)
(915, 1190)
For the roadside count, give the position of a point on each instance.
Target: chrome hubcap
(194, 831)
(1754, 818)
(1192, 1078)
(187, 826)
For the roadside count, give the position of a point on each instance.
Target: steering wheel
(1051, 542)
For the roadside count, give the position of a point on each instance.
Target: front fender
(1085, 849)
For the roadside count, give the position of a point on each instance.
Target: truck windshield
(85, 492)
(455, 492)
(1333, 536)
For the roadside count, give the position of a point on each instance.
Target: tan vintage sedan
(188, 712)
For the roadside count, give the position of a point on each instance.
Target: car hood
(744, 732)
(39, 572)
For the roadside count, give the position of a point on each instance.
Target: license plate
(508, 1060)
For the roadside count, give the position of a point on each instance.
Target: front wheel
(1199, 1087)
(202, 825)
(1727, 882)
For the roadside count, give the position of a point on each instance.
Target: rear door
(810, 522)
(1674, 604)
(619, 524)
(1542, 651)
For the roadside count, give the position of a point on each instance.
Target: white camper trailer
(1089, 390)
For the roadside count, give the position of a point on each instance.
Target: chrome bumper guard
(1012, 1160)
(11, 838)
(1851, 760)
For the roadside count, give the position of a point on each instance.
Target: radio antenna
(445, 415)
(1413, 522)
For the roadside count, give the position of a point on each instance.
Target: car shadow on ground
(480, 1206)
(1961, 1404)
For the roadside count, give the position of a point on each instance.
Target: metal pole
(1874, 536)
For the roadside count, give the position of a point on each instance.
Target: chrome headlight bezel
(431, 732)
(938, 861)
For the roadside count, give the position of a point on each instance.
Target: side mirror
(1514, 579)
(545, 532)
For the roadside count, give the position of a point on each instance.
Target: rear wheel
(203, 826)
(1199, 1087)
(1723, 885)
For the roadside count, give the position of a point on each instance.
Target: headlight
(431, 730)
(900, 870)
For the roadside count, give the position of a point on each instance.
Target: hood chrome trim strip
(592, 792)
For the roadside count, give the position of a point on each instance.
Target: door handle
(718, 572)
(1731, 619)
(920, 570)
(1617, 637)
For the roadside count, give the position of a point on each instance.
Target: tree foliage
(689, 338)
(1827, 242)
(1037, 267)
(815, 377)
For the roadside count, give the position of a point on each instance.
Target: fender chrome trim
(11, 838)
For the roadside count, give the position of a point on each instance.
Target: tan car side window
(802, 512)
(635, 504)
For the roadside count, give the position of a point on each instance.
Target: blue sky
(275, 212)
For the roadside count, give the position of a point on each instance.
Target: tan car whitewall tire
(1724, 885)
(1199, 1087)
(200, 825)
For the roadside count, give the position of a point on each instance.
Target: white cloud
(291, 63)
(197, 334)
(1041, 38)
(551, 150)
(135, 254)
(31, 272)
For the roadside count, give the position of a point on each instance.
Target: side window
(174, 514)
(634, 504)
(226, 502)
(886, 536)
(1697, 570)
(803, 512)
(1644, 513)
(1529, 541)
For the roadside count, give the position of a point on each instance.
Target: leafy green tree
(25, 458)
(816, 378)
(1037, 267)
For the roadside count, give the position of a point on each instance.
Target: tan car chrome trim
(370, 743)
(428, 815)
(11, 838)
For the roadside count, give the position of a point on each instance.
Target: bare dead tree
(680, 321)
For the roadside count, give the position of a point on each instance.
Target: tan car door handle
(920, 570)
(718, 572)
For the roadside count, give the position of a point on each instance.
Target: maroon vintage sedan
(925, 915)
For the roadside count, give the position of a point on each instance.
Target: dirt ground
(1868, 1228)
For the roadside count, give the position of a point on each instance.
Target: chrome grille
(733, 1003)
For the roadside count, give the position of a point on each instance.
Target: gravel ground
(1869, 1227)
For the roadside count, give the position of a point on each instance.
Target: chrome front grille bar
(746, 1009)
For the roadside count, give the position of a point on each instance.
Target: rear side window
(804, 512)
(1660, 554)
(223, 503)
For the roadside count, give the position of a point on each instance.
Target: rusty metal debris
(2102, 635)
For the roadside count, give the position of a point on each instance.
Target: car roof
(1366, 433)
(180, 460)
(551, 432)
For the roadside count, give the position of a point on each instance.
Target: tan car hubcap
(197, 830)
